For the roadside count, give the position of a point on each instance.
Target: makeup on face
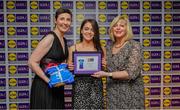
(63, 22)
(87, 31)
(119, 29)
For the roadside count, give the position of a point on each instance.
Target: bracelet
(110, 74)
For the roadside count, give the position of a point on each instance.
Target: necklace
(119, 46)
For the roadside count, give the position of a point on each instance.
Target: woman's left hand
(100, 74)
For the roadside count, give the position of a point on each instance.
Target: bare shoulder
(48, 38)
(72, 48)
(103, 48)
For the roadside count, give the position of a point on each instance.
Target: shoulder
(134, 43)
(49, 38)
(72, 48)
(103, 49)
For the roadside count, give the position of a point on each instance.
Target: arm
(36, 56)
(70, 57)
(104, 62)
(133, 67)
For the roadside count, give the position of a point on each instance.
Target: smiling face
(120, 29)
(87, 31)
(63, 22)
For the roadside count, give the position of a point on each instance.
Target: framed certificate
(86, 63)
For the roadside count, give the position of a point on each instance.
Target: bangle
(110, 74)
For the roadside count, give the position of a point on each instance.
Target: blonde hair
(129, 34)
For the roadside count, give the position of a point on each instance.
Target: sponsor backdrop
(156, 24)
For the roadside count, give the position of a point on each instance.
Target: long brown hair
(96, 38)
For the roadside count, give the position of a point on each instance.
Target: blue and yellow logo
(102, 17)
(146, 17)
(167, 91)
(57, 4)
(167, 54)
(34, 30)
(168, 30)
(11, 18)
(167, 42)
(34, 18)
(146, 91)
(13, 106)
(11, 30)
(34, 43)
(146, 79)
(10, 5)
(167, 66)
(78, 30)
(168, 5)
(147, 103)
(80, 17)
(167, 102)
(12, 82)
(146, 67)
(167, 79)
(146, 54)
(11, 43)
(79, 5)
(102, 30)
(12, 69)
(146, 5)
(12, 94)
(146, 42)
(168, 17)
(11, 56)
(146, 30)
(102, 5)
(34, 5)
(124, 5)
(103, 42)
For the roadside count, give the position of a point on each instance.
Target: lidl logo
(167, 78)
(80, 17)
(11, 30)
(12, 94)
(57, 4)
(166, 102)
(79, 5)
(168, 4)
(12, 69)
(124, 5)
(102, 5)
(34, 30)
(11, 18)
(34, 5)
(146, 5)
(102, 17)
(10, 5)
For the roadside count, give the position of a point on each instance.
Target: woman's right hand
(70, 66)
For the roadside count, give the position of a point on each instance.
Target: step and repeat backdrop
(156, 24)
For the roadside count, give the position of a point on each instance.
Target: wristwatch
(110, 75)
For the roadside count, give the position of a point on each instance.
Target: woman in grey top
(125, 88)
